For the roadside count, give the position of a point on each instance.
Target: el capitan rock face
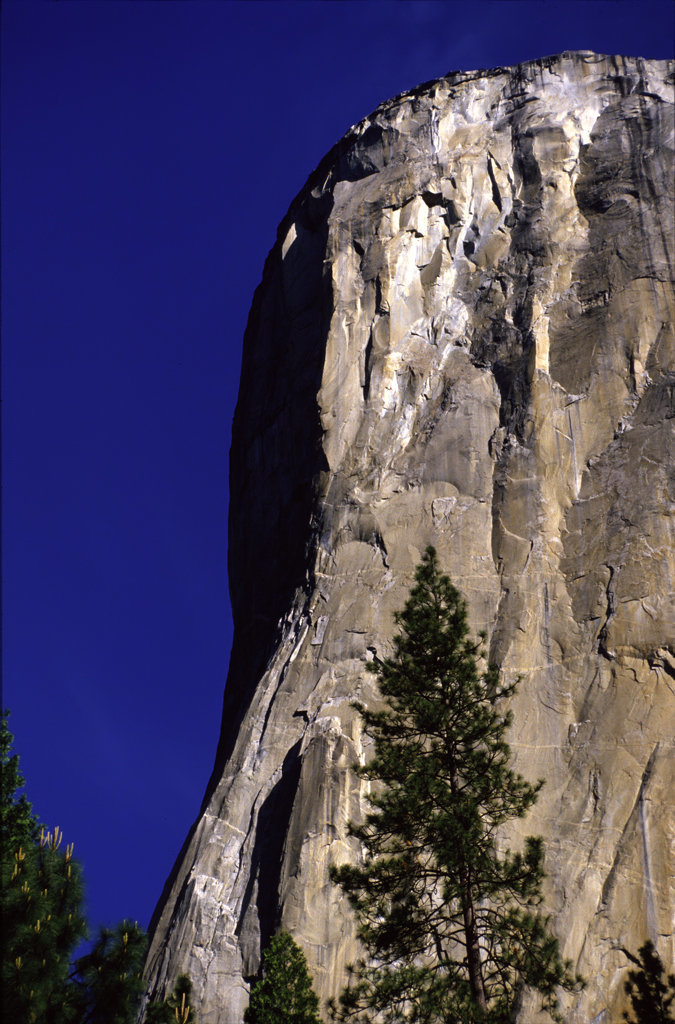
(464, 337)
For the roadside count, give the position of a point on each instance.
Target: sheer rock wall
(463, 336)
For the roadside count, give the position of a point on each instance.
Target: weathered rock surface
(464, 336)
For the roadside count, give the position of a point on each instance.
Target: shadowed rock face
(464, 337)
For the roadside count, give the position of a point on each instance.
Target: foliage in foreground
(652, 994)
(40, 906)
(176, 1009)
(284, 995)
(42, 923)
(108, 979)
(449, 923)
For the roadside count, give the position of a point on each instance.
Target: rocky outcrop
(463, 336)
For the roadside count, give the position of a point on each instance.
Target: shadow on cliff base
(266, 860)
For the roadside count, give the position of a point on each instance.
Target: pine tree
(174, 1010)
(42, 923)
(40, 907)
(448, 920)
(285, 994)
(652, 994)
(18, 825)
(108, 978)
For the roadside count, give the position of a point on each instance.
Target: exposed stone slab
(464, 336)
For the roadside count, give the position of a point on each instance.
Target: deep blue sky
(149, 150)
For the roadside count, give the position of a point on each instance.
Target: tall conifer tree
(284, 994)
(448, 920)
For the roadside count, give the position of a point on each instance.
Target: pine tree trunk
(472, 946)
(470, 928)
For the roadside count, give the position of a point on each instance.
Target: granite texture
(464, 337)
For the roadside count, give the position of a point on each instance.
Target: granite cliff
(463, 336)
